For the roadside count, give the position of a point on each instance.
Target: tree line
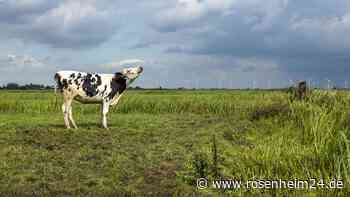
(31, 86)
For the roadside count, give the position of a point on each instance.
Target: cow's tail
(57, 86)
(57, 82)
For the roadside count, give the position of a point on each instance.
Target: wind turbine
(197, 83)
(269, 84)
(253, 84)
(310, 83)
(328, 83)
(346, 84)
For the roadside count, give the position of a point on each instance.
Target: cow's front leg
(105, 109)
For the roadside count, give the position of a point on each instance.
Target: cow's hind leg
(65, 109)
(71, 117)
(104, 110)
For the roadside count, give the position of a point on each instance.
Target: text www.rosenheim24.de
(309, 184)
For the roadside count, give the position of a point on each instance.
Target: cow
(104, 89)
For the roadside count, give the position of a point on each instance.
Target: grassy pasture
(160, 142)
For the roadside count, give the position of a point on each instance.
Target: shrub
(275, 109)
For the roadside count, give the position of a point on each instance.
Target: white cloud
(69, 14)
(186, 12)
(60, 24)
(131, 62)
(11, 57)
(127, 62)
(24, 61)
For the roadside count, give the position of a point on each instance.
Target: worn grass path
(139, 154)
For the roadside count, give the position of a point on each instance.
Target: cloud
(145, 43)
(241, 38)
(131, 61)
(59, 24)
(25, 61)
(11, 57)
(127, 62)
(298, 36)
(23, 11)
(186, 13)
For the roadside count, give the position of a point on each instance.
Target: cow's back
(85, 87)
(69, 79)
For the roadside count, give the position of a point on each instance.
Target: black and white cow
(105, 89)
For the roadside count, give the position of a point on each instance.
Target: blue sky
(191, 43)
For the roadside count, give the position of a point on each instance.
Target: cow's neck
(129, 81)
(116, 98)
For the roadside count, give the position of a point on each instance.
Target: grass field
(160, 142)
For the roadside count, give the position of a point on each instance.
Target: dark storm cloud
(302, 36)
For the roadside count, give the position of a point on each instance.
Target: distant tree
(12, 86)
(49, 87)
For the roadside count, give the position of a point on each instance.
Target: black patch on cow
(118, 85)
(89, 86)
(72, 75)
(76, 81)
(65, 83)
(99, 80)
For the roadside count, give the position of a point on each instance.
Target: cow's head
(132, 73)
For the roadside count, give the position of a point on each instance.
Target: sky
(180, 43)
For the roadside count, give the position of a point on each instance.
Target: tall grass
(201, 102)
(324, 122)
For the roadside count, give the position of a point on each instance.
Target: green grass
(160, 142)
